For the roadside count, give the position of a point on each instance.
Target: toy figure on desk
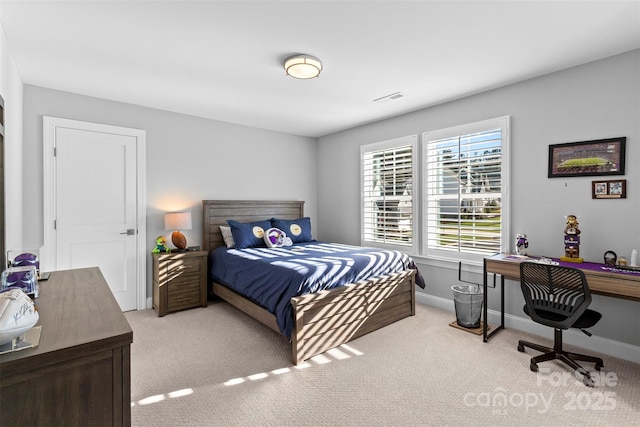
(521, 244)
(571, 240)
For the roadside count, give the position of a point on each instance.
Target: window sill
(448, 263)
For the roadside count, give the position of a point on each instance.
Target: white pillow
(227, 236)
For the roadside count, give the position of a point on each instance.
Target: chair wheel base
(564, 356)
(588, 381)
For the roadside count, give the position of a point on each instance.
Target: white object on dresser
(17, 314)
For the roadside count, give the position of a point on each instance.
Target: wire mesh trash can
(468, 303)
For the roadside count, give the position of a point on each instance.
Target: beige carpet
(216, 366)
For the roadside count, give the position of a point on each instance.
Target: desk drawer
(510, 270)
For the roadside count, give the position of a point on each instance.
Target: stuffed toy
(275, 238)
(161, 246)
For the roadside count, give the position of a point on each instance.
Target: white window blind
(464, 186)
(387, 192)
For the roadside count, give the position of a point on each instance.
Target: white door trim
(48, 250)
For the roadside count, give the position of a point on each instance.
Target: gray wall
(188, 159)
(593, 101)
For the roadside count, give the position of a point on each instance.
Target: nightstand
(179, 281)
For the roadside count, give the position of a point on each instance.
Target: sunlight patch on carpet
(335, 354)
(160, 397)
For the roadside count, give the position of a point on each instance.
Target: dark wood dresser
(80, 373)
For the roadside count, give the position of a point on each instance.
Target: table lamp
(178, 221)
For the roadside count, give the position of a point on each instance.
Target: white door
(96, 205)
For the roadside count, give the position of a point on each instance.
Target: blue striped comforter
(272, 276)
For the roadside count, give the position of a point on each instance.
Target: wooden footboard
(331, 318)
(327, 319)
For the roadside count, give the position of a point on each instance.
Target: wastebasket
(468, 303)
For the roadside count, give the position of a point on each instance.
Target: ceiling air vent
(390, 97)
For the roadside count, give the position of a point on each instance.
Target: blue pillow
(248, 234)
(299, 230)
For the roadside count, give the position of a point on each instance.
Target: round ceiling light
(303, 66)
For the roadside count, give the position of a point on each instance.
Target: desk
(602, 281)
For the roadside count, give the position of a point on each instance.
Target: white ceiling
(223, 59)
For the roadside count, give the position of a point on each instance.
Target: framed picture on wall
(587, 158)
(611, 189)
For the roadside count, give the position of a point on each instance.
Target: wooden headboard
(216, 213)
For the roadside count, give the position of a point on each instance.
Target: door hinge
(55, 152)
(55, 224)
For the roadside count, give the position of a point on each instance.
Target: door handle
(130, 232)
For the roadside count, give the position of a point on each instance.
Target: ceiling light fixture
(303, 66)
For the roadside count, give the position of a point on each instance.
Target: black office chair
(558, 297)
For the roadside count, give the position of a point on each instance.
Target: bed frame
(323, 320)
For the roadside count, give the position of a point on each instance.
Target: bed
(320, 320)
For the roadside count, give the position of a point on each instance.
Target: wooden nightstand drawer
(177, 267)
(184, 299)
(184, 284)
(179, 281)
(184, 277)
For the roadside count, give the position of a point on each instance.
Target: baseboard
(573, 337)
(149, 302)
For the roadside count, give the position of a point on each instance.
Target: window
(388, 178)
(465, 172)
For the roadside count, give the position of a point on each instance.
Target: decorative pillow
(299, 230)
(248, 234)
(275, 238)
(227, 236)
